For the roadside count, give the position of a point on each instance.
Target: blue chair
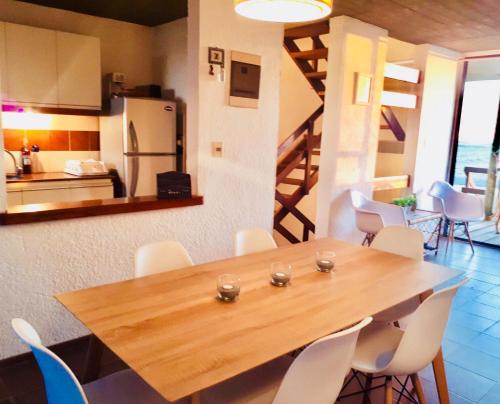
(62, 386)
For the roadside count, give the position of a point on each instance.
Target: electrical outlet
(217, 150)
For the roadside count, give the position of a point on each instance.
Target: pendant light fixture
(283, 10)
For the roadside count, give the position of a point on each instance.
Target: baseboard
(59, 349)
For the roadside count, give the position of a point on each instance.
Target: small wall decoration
(362, 88)
(216, 57)
(245, 80)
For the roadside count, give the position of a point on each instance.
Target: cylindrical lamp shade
(283, 10)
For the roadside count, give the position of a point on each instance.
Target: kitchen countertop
(59, 176)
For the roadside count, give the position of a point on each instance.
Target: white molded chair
(253, 240)
(388, 350)
(315, 376)
(372, 216)
(457, 207)
(62, 386)
(160, 257)
(408, 243)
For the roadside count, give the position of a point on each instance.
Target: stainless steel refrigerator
(138, 139)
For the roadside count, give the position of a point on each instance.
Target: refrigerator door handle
(134, 142)
(134, 178)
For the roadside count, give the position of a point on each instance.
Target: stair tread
(312, 54)
(321, 93)
(316, 75)
(316, 152)
(292, 181)
(303, 166)
(304, 31)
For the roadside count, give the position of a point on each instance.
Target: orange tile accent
(59, 140)
(79, 140)
(40, 138)
(13, 139)
(95, 141)
(52, 140)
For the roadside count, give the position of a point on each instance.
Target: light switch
(217, 149)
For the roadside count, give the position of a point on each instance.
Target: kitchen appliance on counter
(138, 139)
(85, 167)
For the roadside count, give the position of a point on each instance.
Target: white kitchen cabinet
(89, 193)
(47, 195)
(3, 62)
(14, 198)
(79, 189)
(79, 70)
(31, 71)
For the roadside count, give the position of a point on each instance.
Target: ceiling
(457, 24)
(462, 25)
(144, 12)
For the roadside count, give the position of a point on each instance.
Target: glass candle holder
(325, 261)
(281, 274)
(228, 287)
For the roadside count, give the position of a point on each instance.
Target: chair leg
(388, 390)
(451, 234)
(368, 384)
(365, 239)
(467, 233)
(418, 388)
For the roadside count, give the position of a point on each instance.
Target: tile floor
(471, 345)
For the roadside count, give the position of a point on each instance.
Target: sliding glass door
(476, 163)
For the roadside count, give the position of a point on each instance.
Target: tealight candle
(228, 287)
(325, 261)
(280, 274)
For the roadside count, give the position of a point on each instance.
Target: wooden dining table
(172, 331)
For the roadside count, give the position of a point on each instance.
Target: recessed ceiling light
(284, 10)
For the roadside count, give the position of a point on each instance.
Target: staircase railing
(296, 152)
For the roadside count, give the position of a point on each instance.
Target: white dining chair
(253, 240)
(315, 376)
(62, 386)
(160, 257)
(384, 349)
(409, 243)
(372, 216)
(457, 207)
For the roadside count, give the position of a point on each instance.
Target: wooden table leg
(438, 366)
(195, 398)
(93, 360)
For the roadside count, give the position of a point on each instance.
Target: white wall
(429, 125)
(39, 260)
(125, 47)
(298, 100)
(350, 132)
(170, 57)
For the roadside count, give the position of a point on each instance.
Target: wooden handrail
(393, 123)
(299, 131)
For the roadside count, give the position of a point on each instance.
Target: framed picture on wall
(362, 88)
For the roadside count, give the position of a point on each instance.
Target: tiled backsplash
(52, 140)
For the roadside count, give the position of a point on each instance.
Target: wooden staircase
(297, 150)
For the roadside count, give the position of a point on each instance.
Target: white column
(429, 126)
(3, 188)
(350, 131)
